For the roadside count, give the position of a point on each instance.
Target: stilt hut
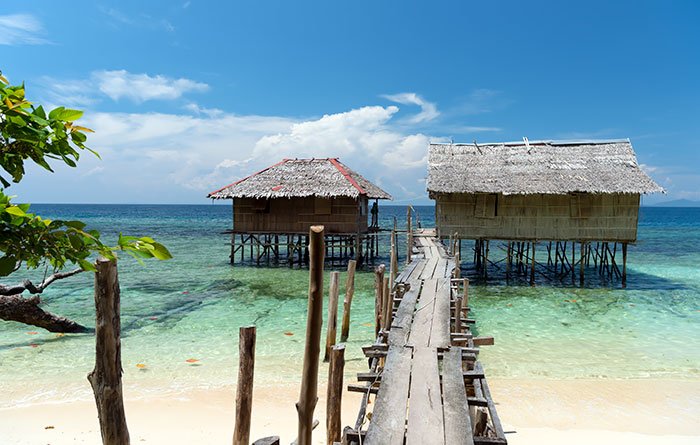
(521, 193)
(273, 209)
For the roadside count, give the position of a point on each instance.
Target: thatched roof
(294, 178)
(547, 167)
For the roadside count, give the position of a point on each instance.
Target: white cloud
(428, 109)
(139, 88)
(164, 157)
(18, 29)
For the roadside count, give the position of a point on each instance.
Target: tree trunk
(27, 310)
(106, 378)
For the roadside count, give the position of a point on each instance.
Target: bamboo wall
(577, 217)
(295, 215)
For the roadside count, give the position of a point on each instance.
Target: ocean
(191, 307)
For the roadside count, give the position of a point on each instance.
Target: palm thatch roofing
(297, 178)
(541, 167)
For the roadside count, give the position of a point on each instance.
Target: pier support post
(347, 302)
(244, 390)
(624, 264)
(309, 380)
(532, 265)
(409, 235)
(378, 297)
(106, 378)
(334, 394)
(332, 322)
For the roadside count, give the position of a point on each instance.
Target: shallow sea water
(192, 306)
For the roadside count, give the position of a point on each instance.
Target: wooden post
(458, 265)
(465, 293)
(334, 394)
(244, 391)
(393, 265)
(309, 379)
(624, 264)
(458, 314)
(583, 257)
(332, 322)
(532, 266)
(409, 235)
(106, 377)
(347, 302)
(388, 305)
(379, 297)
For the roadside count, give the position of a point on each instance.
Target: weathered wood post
(532, 266)
(393, 264)
(388, 305)
(309, 379)
(347, 302)
(465, 293)
(106, 378)
(334, 394)
(624, 264)
(332, 323)
(379, 297)
(244, 390)
(409, 235)
(458, 313)
(583, 253)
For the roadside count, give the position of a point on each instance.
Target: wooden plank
(389, 415)
(458, 428)
(440, 329)
(423, 318)
(429, 269)
(425, 417)
(416, 273)
(406, 272)
(401, 325)
(492, 408)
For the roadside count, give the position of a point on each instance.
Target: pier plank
(389, 416)
(423, 319)
(440, 329)
(425, 417)
(402, 322)
(458, 428)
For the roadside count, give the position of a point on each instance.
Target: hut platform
(427, 383)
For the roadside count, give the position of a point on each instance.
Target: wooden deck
(429, 386)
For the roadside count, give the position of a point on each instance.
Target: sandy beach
(533, 411)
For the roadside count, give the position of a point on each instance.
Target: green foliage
(27, 133)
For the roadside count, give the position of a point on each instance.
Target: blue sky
(186, 96)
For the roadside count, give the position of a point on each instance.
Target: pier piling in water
(244, 390)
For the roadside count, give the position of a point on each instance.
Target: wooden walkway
(429, 386)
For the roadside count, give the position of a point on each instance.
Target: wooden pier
(425, 377)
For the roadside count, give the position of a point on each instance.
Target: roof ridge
(347, 175)
(250, 176)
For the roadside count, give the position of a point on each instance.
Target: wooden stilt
(532, 267)
(334, 394)
(409, 235)
(347, 302)
(309, 380)
(388, 305)
(332, 321)
(379, 298)
(244, 389)
(581, 266)
(624, 264)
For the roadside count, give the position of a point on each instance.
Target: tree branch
(28, 286)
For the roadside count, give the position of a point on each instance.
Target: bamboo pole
(309, 380)
(332, 322)
(378, 297)
(334, 394)
(347, 302)
(244, 390)
(106, 377)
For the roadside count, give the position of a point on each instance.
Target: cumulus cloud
(21, 29)
(428, 109)
(121, 84)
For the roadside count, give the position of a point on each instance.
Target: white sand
(539, 411)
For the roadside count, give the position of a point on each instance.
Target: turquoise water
(191, 308)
